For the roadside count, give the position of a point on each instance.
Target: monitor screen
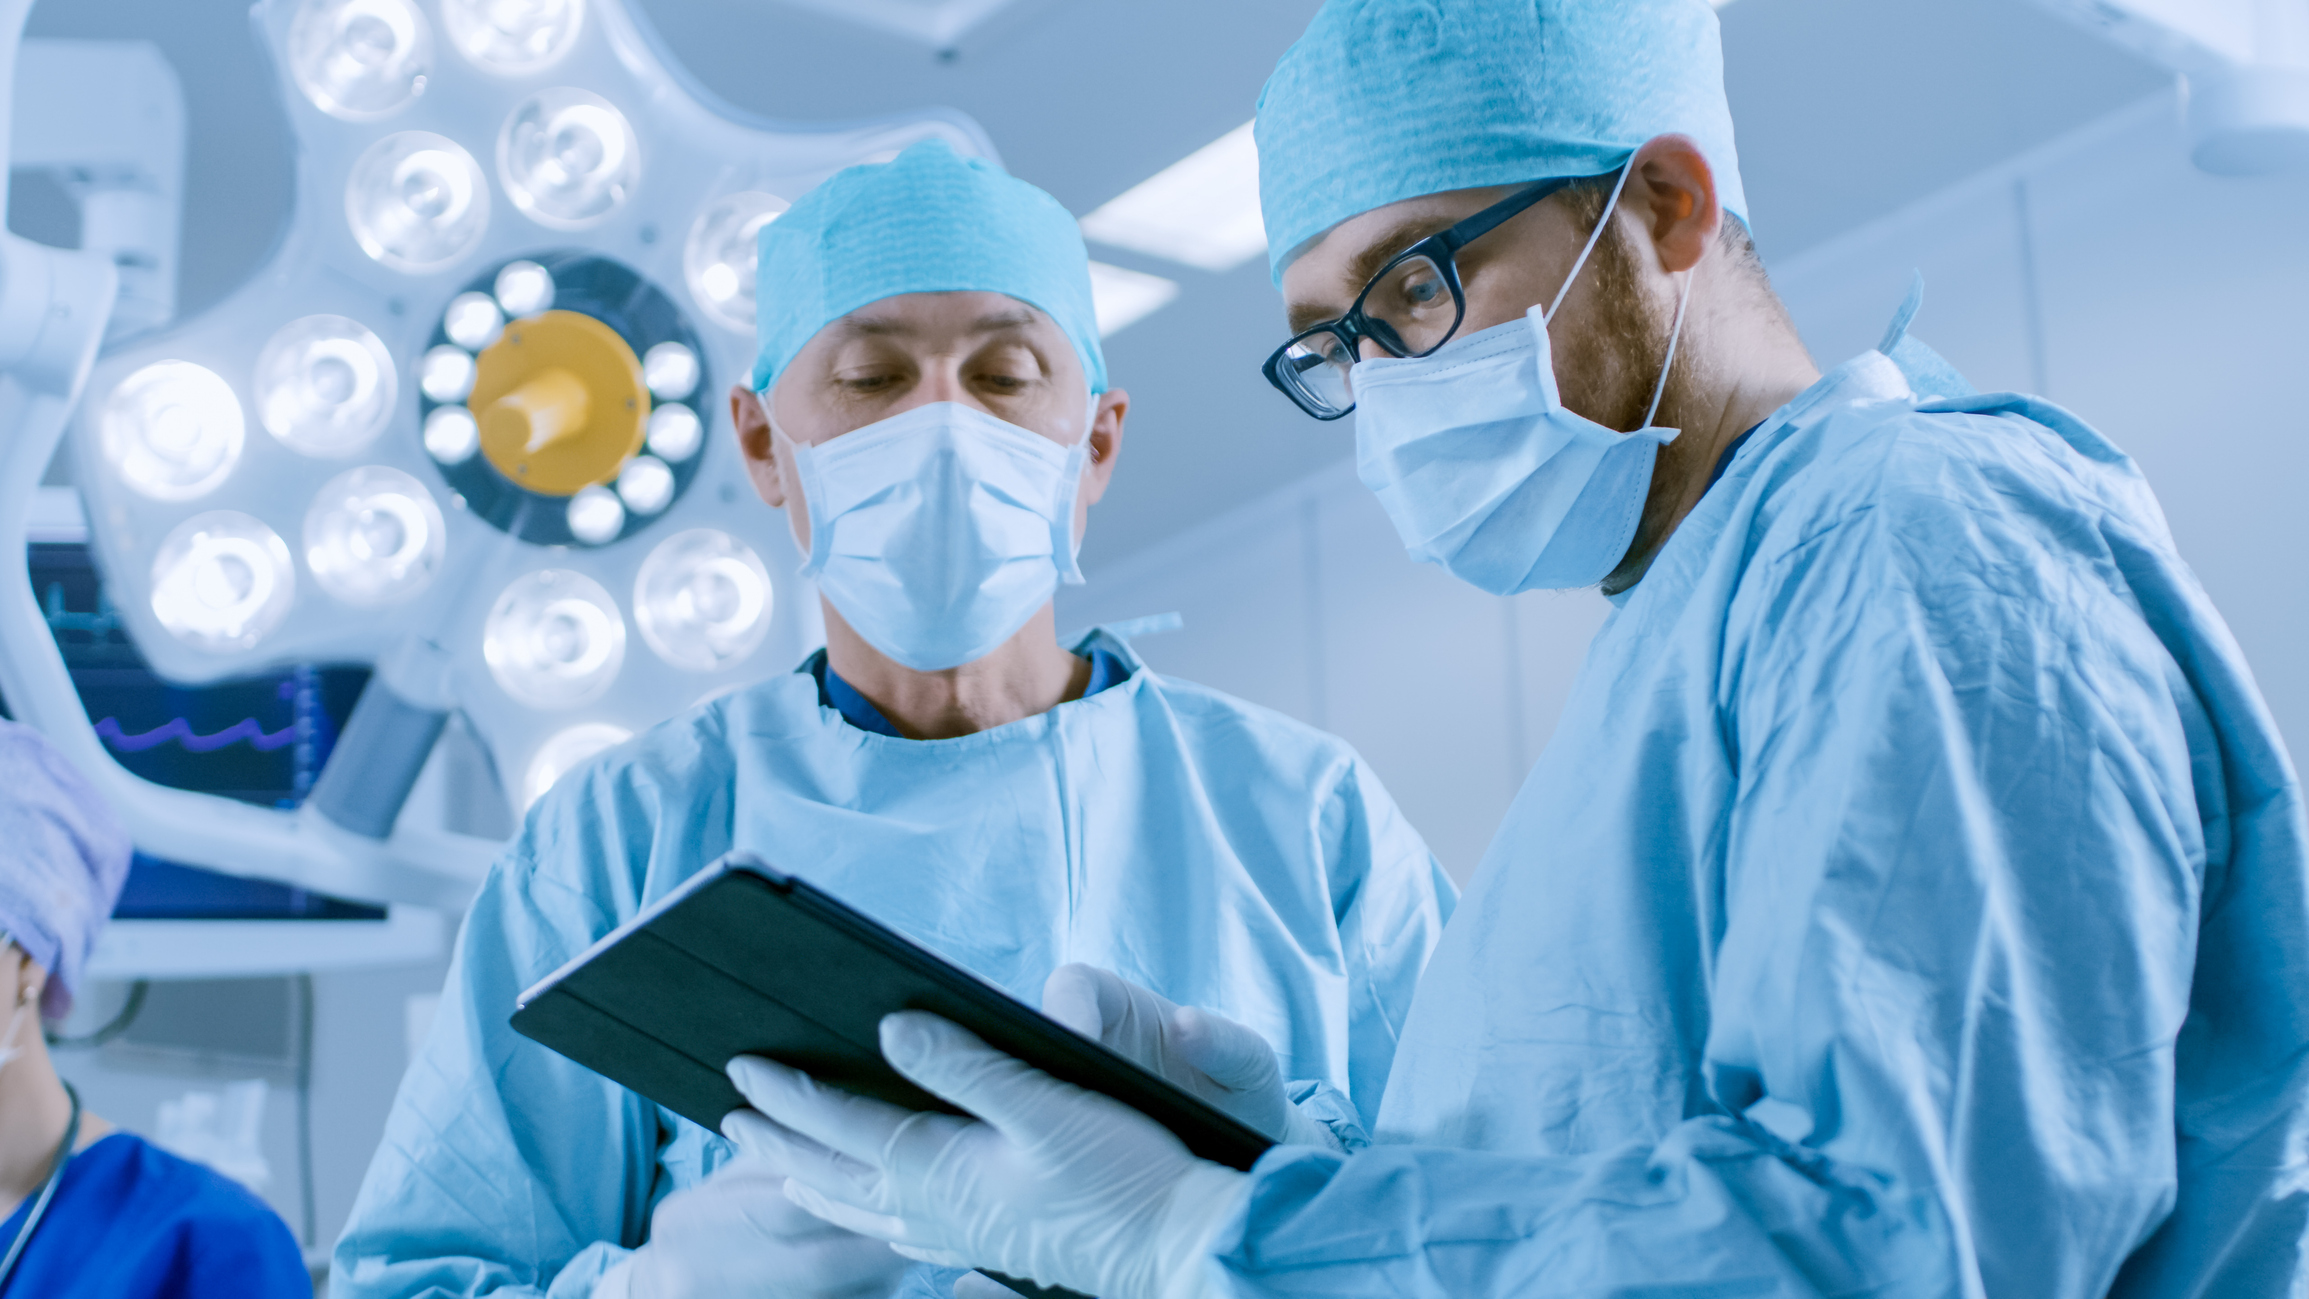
(257, 739)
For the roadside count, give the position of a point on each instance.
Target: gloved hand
(1052, 1182)
(738, 1233)
(1223, 1062)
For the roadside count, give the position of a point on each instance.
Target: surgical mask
(939, 531)
(1485, 472)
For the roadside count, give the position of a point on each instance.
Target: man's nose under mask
(939, 531)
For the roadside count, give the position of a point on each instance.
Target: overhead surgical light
(451, 435)
(721, 255)
(702, 599)
(325, 386)
(417, 201)
(172, 430)
(473, 321)
(554, 639)
(513, 37)
(221, 581)
(374, 536)
(645, 485)
(446, 373)
(564, 750)
(360, 59)
(523, 288)
(567, 158)
(671, 371)
(674, 433)
(595, 515)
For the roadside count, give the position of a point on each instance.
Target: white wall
(2165, 306)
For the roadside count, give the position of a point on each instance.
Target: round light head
(360, 59)
(417, 201)
(565, 750)
(674, 433)
(451, 435)
(172, 430)
(721, 254)
(513, 37)
(596, 515)
(567, 158)
(524, 289)
(645, 485)
(554, 639)
(221, 581)
(446, 373)
(473, 321)
(671, 371)
(373, 536)
(702, 600)
(325, 386)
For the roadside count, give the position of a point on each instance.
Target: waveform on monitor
(180, 731)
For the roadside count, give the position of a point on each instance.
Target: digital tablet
(743, 959)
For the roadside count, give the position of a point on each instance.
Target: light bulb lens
(720, 256)
(473, 321)
(674, 433)
(446, 373)
(567, 158)
(645, 485)
(417, 201)
(172, 430)
(360, 59)
(702, 600)
(524, 289)
(566, 750)
(325, 386)
(452, 435)
(221, 581)
(513, 37)
(670, 370)
(554, 639)
(595, 515)
(374, 536)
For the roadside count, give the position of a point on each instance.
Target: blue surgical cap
(928, 221)
(1385, 100)
(67, 858)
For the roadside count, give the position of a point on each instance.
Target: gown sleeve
(507, 1169)
(1954, 928)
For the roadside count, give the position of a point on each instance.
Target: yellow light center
(561, 402)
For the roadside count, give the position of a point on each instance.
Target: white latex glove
(1223, 1062)
(1053, 1183)
(738, 1233)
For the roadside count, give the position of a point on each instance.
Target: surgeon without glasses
(931, 411)
(1913, 899)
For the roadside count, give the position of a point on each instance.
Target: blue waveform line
(180, 730)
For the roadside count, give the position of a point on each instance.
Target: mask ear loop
(805, 474)
(1065, 549)
(1659, 389)
(1610, 205)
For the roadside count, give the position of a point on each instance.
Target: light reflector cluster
(702, 599)
(417, 201)
(564, 750)
(221, 580)
(172, 430)
(360, 59)
(567, 158)
(325, 386)
(513, 38)
(720, 258)
(554, 639)
(374, 536)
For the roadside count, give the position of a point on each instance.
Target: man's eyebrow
(993, 322)
(1370, 261)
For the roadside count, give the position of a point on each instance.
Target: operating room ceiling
(1847, 110)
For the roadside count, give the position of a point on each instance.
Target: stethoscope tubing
(47, 1190)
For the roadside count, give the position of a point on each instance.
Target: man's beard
(1619, 356)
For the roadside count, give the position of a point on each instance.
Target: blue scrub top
(1106, 669)
(131, 1221)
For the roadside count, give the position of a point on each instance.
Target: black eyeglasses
(1411, 307)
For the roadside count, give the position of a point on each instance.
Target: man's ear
(1671, 192)
(757, 445)
(1105, 444)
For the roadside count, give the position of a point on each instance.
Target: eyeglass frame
(1441, 248)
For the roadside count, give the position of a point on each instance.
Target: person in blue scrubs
(1913, 899)
(931, 411)
(87, 1209)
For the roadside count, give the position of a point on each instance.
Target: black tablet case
(743, 959)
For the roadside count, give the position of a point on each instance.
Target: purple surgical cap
(67, 856)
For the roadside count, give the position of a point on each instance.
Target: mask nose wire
(1610, 205)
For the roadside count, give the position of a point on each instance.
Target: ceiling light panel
(1201, 211)
(1122, 298)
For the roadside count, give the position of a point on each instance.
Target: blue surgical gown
(1911, 902)
(1218, 852)
(132, 1221)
